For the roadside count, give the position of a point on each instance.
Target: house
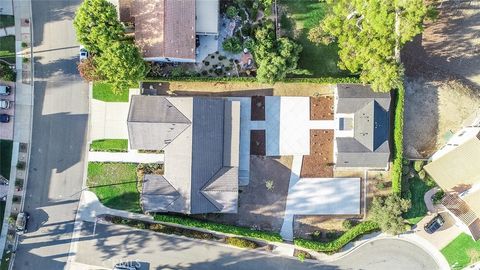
(167, 30)
(200, 140)
(456, 169)
(363, 128)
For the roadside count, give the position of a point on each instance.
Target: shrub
(397, 167)
(240, 242)
(418, 165)
(437, 198)
(6, 72)
(206, 63)
(232, 12)
(422, 174)
(232, 45)
(387, 213)
(333, 246)
(21, 165)
(347, 224)
(320, 80)
(249, 44)
(223, 228)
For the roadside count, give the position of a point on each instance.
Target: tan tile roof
(165, 28)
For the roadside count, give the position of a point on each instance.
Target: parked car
(4, 118)
(21, 224)
(434, 224)
(83, 53)
(5, 90)
(4, 104)
(131, 265)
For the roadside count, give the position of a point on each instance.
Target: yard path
(128, 157)
(287, 228)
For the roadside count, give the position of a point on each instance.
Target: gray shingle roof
(369, 146)
(201, 175)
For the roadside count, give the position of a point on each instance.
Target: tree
(6, 72)
(97, 26)
(232, 12)
(367, 37)
(387, 213)
(275, 57)
(232, 45)
(88, 70)
(122, 65)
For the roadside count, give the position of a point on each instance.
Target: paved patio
(208, 45)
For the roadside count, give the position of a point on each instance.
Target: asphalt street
(104, 245)
(59, 136)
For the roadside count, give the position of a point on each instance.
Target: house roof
(206, 13)
(369, 146)
(457, 170)
(463, 211)
(165, 28)
(201, 145)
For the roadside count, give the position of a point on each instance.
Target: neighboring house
(166, 30)
(456, 169)
(363, 131)
(200, 140)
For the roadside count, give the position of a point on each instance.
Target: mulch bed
(257, 142)
(258, 108)
(320, 161)
(321, 108)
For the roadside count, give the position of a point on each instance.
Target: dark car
(4, 118)
(434, 224)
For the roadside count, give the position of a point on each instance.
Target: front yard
(462, 251)
(6, 21)
(109, 145)
(301, 16)
(7, 49)
(115, 185)
(5, 157)
(104, 92)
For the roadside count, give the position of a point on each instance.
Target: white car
(83, 53)
(5, 90)
(4, 104)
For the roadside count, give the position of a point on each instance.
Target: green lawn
(5, 157)
(115, 184)
(7, 20)
(110, 145)
(462, 251)
(319, 60)
(104, 92)
(7, 49)
(418, 188)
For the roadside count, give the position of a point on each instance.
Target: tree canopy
(387, 213)
(122, 65)
(97, 26)
(367, 35)
(275, 57)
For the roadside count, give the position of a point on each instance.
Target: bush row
(334, 246)
(398, 141)
(223, 228)
(325, 80)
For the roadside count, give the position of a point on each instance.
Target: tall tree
(387, 213)
(367, 37)
(97, 26)
(275, 57)
(122, 65)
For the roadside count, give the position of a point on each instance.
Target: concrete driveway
(109, 120)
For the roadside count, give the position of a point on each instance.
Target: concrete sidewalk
(129, 157)
(287, 227)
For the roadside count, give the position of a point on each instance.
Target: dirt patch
(261, 207)
(321, 108)
(258, 108)
(320, 161)
(257, 143)
(378, 184)
(443, 78)
(248, 89)
(317, 227)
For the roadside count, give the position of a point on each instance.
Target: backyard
(5, 157)
(115, 185)
(301, 16)
(7, 49)
(462, 251)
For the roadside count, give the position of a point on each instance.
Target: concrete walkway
(8, 31)
(428, 200)
(287, 228)
(128, 157)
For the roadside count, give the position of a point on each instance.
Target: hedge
(326, 80)
(334, 246)
(398, 141)
(223, 228)
(240, 242)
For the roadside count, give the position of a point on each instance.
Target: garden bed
(257, 142)
(321, 108)
(258, 108)
(320, 161)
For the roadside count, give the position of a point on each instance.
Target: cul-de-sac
(239, 134)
